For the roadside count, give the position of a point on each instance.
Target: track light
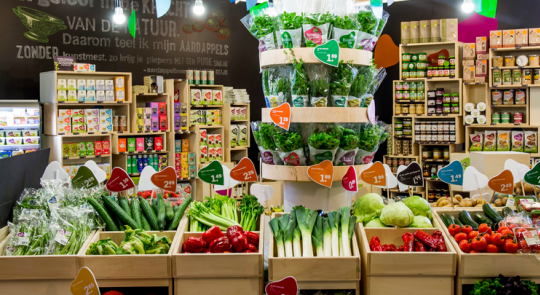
(118, 16)
(198, 8)
(467, 6)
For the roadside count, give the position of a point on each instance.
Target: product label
(23, 239)
(271, 101)
(299, 100)
(347, 159)
(365, 41)
(292, 160)
(324, 156)
(315, 35)
(62, 236)
(291, 38)
(345, 38)
(268, 158)
(339, 101)
(267, 42)
(319, 102)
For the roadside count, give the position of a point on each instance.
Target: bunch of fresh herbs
(318, 79)
(504, 286)
(290, 21)
(318, 19)
(288, 140)
(266, 138)
(367, 21)
(345, 23)
(324, 140)
(298, 75)
(382, 22)
(363, 80)
(348, 138)
(342, 78)
(371, 136)
(266, 82)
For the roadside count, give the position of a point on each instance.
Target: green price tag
(84, 178)
(533, 176)
(328, 53)
(212, 174)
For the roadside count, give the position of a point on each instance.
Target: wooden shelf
(427, 44)
(515, 67)
(516, 49)
(238, 148)
(508, 86)
(205, 85)
(508, 105)
(410, 101)
(281, 56)
(207, 106)
(92, 103)
(432, 79)
(299, 173)
(206, 126)
(502, 125)
(86, 157)
(401, 156)
(328, 114)
(84, 134)
(141, 153)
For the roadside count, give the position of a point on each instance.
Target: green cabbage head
(368, 207)
(419, 206)
(374, 223)
(421, 222)
(397, 214)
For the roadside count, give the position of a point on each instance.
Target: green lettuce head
(397, 214)
(368, 207)
(419, 206)
(421, 222)
(375, 223)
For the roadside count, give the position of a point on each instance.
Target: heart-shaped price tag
(287, 286)
(402, 187)
(145, 180)
(391, 180)
(281, 115)
(473, 179)
(328, 53)
(119, 181)
(533, 176)
(412, 175)
(371, 112)
(452, 174)
(98, 172)
(244, 171)
(518, 170)
(350, 180)
(502, 183)
(322, 173)
(165, 179)
(228, 183)
(84, 283)
(374, 175)
(54, 171)
(263, 193)
(212, 174)
(84, 178)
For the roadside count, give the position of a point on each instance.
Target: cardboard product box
(177, 108)
(217, 97)
(64, 127)
(91, 112)
(469, 51)
(415, 32)
(522, 37)
(78, 127)
(65, 150)
(192, 171)
(106, 127)
(202, 137)
(30, 133)
(154, 108)
(98, 148)
(185, 145)
(82, 67)
(61, 84)
(509, 38)
(154, 123)
(139, 144)
(158, 143)
(480, 79)
(122, 145)
(72, 95)
(191, 159)
(211, 153)
(13, 133)
(91, 85)
(435, 30)
(105, 120)
(219, 154)
(109, 85)
(131, 144)
(534, 36)
(196, 98)
(89, 148)
(449, 30)
(495, 39)
(82, 149)
(119, 83)
(92, 124)
(90, 95)
(30, 140)
(206, 97)
(178, 146)
(469, 74)
(211, 140)
(425, 31)
(147, 124)
(405, 32)
(105, 112)
(163, 123)
(154, 84)
(177, 123)
(139, 89)
(177, 95)
(467, 63)
(81, 84)
(77, 120)
(120, 95)
(73, 149)
(185, 172)
(482, 56)
(106, 145)
(184, 158)
(81, 95)
(482, 45)
(109, 95)
(62, 95)
(183, 109)
(162, 108)
(100, 85)
(203, 150)
(234, 135)
(217, 141)
(71, 84)
(242, 135)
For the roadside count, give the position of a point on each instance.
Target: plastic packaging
(261, 22)
(375, 83)
(290, 144)
(262, 132)
(340, 83)
(299, 85)
(361, 84)
(348, 144)
(319, 84)
(371, 137)
(368, 26)
(277, 83)
(323, 142)
(317, 22)
(290, 23)
(345, 26)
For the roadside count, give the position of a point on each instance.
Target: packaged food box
(78, 127)
(192, 171)
(211, 139)
(100, 85)
(196, 97)
(71, 84)
(81, 95)
(105, 113)
(13, 133)
(242, 135)
(65, 150)
(191, 159)
(178, 146)
(61, 84)
(184, 158)
(81, 84)
(120, 95)
(482, 45)
(217, 140)
(91, 85)
(64, 127)
(72, 95)
(109, 95)
(106, 127)
(109, 85)
(219, 154)
(415, 32)
(435, 30)
(106, 145)
(234, 135)
(82, 149)
(481, 69)
(163, 123)
(202, 137)
(62, 95)
(122, 145)
(203, 151)
(449, 30)
(162, 108)
(139, 144)
(185, 172)
(496, 39)
(98, 148)
(177, 123)
(78, 113)
(119, 83)
(89, 148)
(158, 143)
(206, 97)
(73, 149)
(522, 37)
(534, 36)
(185, 145)
(405, 32)
(30, 133)
(131, 145)
(217, 97)
(84, 67)
(509, 38)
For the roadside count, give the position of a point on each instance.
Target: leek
(306, 220)
(317, 237)
(327, 239)
(352, 224)
(333, 220)
(289, 233)
(274, 226)
(340, 242)
(345, 216)
(296, 243)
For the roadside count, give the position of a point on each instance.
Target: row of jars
(435, 194)
(409, 109)
(430, 72)
(438, 137)
(435, 153)
(442, 103)
(394, 163)
(516, 77)
(403, 146)
(410, 86)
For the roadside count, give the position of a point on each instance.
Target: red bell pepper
(194, 245)
(441, 247)
(233, 230)
(393, 247)
(426, 239)
(375, 244)
(252, 238)
(220, 245)
(419, 247)
(212, 233)
(252, 248)
(239, 242)
(386, 248)
(207, 251)
(247, 251)
(401, 248)
(408, 242)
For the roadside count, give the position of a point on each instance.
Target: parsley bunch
(345, 23)
(267, 140)
(263, 25)
(348, 138)
(288, 140)
(342, 78)
(324, 139)
(504, 286)
(371, 136)
(266, 82)
(318, 79)
(367, 21)
(318, 19)
(290, 21)
(298, 75)
(363, 80)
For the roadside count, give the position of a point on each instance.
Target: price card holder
(84, 178)
(281, 115)
(119, 181)
(532, 177)
(452, 174)
(322, 173)
(411, 176)
(502, 183)
(165, 179)
(328, 53)
(85, 283)
(374, 175)
(212, 174)
(350, 180)
(244, 171)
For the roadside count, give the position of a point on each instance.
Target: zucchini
(456, 220)
(161, 212)
(480, 218)
(109, 222)
(124, 204)
(447, 220)
(466, 219)
(145, 224)
(492, 214)
(507, 211)
(169, 212)
(175, 208)
(124, 218)
(155, 206)
(178, 214)
(136, 211)
(148, 213)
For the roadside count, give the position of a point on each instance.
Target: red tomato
(479, 244)
(507, 234)
(460, 237)
(500, 230)
(472, 252)
(523, 247)
(487, 237)
(497, 239)
(465, 246)
(510, 246)
(492, 249)
(472, 235)
(483, 228)
(512, 226)
(453, 229)
(520, 232)
(536, 248)
(466, 229)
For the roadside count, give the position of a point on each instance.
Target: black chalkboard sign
(412, 175)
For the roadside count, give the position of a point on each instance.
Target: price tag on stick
(322, 173)
(502, 183)
(85, 283)
(244, 171)
(165, 179)
(451, 174)
(119, 181)
(281, 115)
(84, 178)
(533, 176)
(350, 180)
(328, 53)
(374, 175)
(412, 175)
(212, 174)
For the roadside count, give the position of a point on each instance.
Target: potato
(528, 188)
(443, 203)
(517, 185)
(439, 201)
(458, 197)
(466, 203)
(519, 192)
(448, 206)
(473, 202)
(479, 205)
(504, 201)
(498, 203)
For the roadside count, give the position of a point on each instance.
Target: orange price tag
(374, 175)
(165, 179)
(502, 183)
(85, 283)
(281, 115)
(244, 171)
(322, 173)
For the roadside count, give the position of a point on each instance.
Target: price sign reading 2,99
(328, 53)
(165, 179)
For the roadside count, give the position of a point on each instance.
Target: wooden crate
(44, 274)
(478, 266)
(402, 273)
(224, 274)
(316, 273)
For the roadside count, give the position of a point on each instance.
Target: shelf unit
(56, 144)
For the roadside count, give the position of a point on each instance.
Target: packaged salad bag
(348, 144)
(361, 84)
(323, 142)
(262, 132)
(373, 87)
(319, 84)
(290, 145)
(371, 137)
(344, 26)
(299, 82)
(368, 26)
(261, 22)
(289, 21)
(277, 85)
(317, 22)
(340, 83)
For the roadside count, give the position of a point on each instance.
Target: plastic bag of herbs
(361, 84)
(262, 133)
(261, 22)
(289, 22)
(348, 144)
(299, 82)
(371, 137)
(340, 83)
(344, 25)
(279, 84)
(373, 87)
(319, 84)
(381, 25)
(368, 26)
(290, 145)
(323, 142)
(317, 22)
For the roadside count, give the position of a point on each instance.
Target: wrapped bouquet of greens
(290, 145)
(382, 24)
(371, 137)
(323, 142)
(368, 26)
(317, 22)
(299, 83)
(375, 83)
(348, 144)
(319, 84)
(262, 132)
(340, 83)
(344, 25)
(261, 22)
(361, 85)
(277, 85)
(290, 23)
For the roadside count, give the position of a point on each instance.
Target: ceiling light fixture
(467, 6)
(198, 8)
(118, 17)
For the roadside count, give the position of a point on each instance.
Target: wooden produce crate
(224, 274)
(149, 270)
(479, 266)
(316, 273)
(44, 274)
(401, 273)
